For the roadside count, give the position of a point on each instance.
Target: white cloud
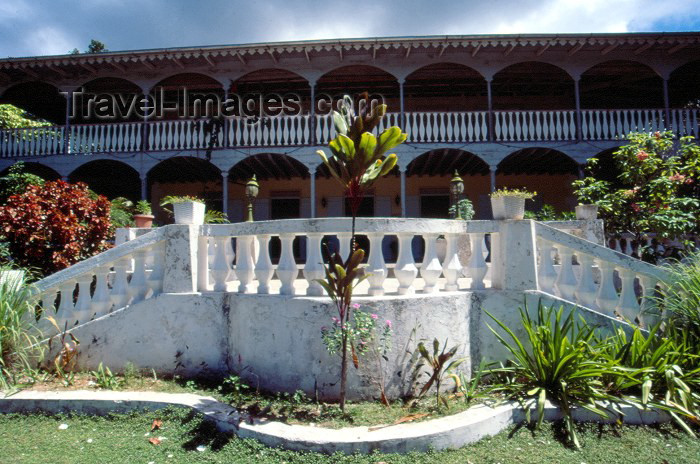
(48, 41)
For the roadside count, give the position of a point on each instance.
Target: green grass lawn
(125, 439)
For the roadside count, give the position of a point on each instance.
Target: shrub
(16, 181)
(681, 295)
(465, 207)
(52, 226)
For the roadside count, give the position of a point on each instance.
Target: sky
(41, 27)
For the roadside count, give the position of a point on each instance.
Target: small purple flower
(324, 328)
(356, 305)
(374, 316)
(388, 323)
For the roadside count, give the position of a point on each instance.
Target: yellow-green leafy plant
(520, 193)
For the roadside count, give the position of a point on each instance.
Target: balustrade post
(607, 294)
(627, 306)
(566, 280)
(263, 266)
(313, 269)
(431, 269)
(376, 267)
(83, 306)
(405, 269)
(287, 270)
(138, 286)
(476, 266)
(120, 287)
(577, 97)
(344, 244)
(489, 101)
(586, 290)
(155, 278)
(245, 268)
(451, 268)
(220, 268)
(101, 303)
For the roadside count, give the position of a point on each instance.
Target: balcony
(305, 130)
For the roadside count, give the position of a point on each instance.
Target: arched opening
(445, 87)
(428, 183)
(187, 95)
(532, 85)
(621, 85)
(272, 92)
(109, 178)
(284, 193)
(684, 86)
(354, 80)
(37, 169)
(543, 170)
(107, 99)
(183, 175)
(38, 98)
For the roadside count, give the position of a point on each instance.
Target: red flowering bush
(51, 226)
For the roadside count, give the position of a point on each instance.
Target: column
(224, 142)
(312, 200)
(401, 106)
(492, 174)
(144, 187)
(489, 98)
(224, 194)
(312, 114)
(402, 170)
(144, 132)
(666, 105)
(68, 94)
(577, 97)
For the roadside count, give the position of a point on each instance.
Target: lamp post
(456, 189)
(251, 192)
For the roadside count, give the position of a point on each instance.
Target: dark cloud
(49, 27)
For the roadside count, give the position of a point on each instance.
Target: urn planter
(189, 212)
(508, 207)
(143, 220)
(587, 212)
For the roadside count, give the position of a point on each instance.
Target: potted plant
(510, 203)
(187, 209)
(142, 214)
(587, 212)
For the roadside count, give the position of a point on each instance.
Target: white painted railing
(596, 290)
(421, 127)
(126, 274)
(522, 126)
(250, 270)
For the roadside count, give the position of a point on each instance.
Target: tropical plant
(212, 216)
(656, 190)
(549, 213)
(12, 117)
(465, 207)
(555, 362)
(341, 279)
(172, 199)
(358, 158)
(52, 226)
(143, 207)
(20, 351)
(16, 181)
(681, 294)
(440, 365)
(519, 193)
(468, 388)
(121, 212)
(104, 378)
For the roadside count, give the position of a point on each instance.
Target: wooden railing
(422, 127)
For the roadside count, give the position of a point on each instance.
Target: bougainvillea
(52, 226)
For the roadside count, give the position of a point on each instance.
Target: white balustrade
(313, 269)
(287, 270)
(431, 269)
(566, 281)
(101, 302)
(263, 266)
(221, 268)
(627, 306)
(451, 268)
(586, 289)
(547, 274)
(245, 270)
(376, 267)
(476, 266)
(405, 269)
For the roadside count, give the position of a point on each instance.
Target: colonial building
(506, 110)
